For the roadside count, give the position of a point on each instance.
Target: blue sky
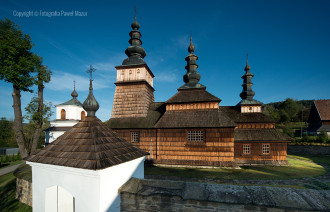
(287, 41)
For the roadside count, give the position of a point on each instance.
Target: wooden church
(191, 128)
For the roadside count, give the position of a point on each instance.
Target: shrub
(288, 131)
(18, 156)
(323, 137)
(6, 159)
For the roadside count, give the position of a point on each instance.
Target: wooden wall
(170, 146)
(278, 152)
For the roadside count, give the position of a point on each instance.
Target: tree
(7, 136)
(23, 69)
(290, 107)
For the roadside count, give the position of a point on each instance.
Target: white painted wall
(113, 178)
(250, 109)
(53, 135)
(133, 74)
(71, 111)
(92, 190)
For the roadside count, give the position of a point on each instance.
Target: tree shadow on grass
(8, 201)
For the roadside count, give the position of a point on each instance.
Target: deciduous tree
(23, 69)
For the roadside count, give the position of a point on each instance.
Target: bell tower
(248, 104)
(134, 86)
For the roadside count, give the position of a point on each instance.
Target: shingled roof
(194, 118)
(238, 117)
(193, 95)
(90, 144)
(261, 135)
(72, 101)
(323, 108)
(156, 110)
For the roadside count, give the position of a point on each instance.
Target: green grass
(299, 167)
(7, 194)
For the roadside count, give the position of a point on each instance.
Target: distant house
(319, 117)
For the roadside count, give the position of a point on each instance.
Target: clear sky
(288, 44)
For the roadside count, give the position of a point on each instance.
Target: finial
(90, 104)
(247, 67)
(191, 47)
(90, 71)
(74, 93)
(135, 11)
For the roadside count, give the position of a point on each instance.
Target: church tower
(248, 104)
(134, 85)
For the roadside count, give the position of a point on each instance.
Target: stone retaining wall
(308, 150)
(24, 191)
(165, 195)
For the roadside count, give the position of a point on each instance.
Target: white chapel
(67, 115)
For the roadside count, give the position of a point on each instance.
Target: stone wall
(165, 195)
(24, 191)
(308, 150)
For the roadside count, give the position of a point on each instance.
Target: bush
(288, 131)
(18, 156)
(323, 137)
(6, 159)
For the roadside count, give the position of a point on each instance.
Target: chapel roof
(234, 113)
(194, 118)
(258, 135)
(90, 144)
(193, 96)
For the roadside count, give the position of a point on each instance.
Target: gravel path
(7, 170)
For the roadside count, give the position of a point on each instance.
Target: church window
(265, 149)
(63, 114)
(196, 135)
(135, 136)
(250, 108)
(246, 149)
(83, 114)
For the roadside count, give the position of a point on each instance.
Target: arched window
(62, 114)
(83, 115)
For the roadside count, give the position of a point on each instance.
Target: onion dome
(135, 52)
(74, 93)
(192, 77)
(247, 94)
(90, 104)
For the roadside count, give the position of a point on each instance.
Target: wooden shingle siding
(169, 146)
(278, 152)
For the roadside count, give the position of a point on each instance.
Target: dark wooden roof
(235, 114)
(194, 119)
(156, 110)
(323, 108)
(193, 95)
(90, 144)
(256, 135)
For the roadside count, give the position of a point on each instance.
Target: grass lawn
(300, 166)
(7, 194)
